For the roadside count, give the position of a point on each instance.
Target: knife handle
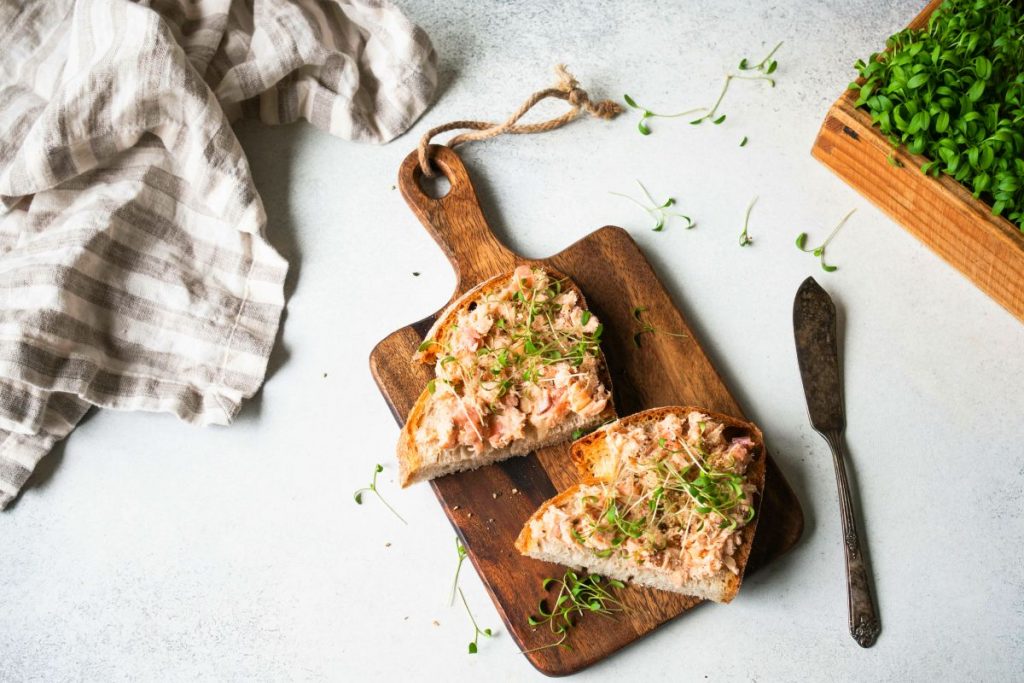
(864, 623)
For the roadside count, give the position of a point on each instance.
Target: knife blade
(817, 352)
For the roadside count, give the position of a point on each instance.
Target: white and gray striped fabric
(134, 269)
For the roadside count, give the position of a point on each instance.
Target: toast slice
(668, 499)
(518, 366)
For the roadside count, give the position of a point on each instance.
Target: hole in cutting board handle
(437, 187)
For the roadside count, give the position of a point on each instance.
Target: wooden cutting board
(615, 277)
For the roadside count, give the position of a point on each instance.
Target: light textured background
(152, 550)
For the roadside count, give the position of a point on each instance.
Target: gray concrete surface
(150, 550)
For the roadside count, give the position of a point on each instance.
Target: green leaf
(917, 81)
(630, 102)
(983, 68)
(743, 64)
(642, 127)
(919, 122)
(432, 385)
(358, 495)
(719, 120)
(975, 91)
(771, 69)
(472, 648)
(743, 142)
(585, 318)
(801, 239)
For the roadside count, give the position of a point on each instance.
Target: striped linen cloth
(134, 269)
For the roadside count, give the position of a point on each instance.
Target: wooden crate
(938, 211)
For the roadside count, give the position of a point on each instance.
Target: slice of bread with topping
(518, 366)
(668, 499)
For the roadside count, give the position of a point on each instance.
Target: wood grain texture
(938, 211)
(614, 276)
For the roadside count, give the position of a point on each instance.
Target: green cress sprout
(358, 495)
(531, 346)
(659, 212)
(765, 66)
(648, 114)
(646, 327)
(477, 631)
(712, 491)
(711, 115)
(953, 92)
(575, 596)
(801, 239)
(745, 237)
(461, 550)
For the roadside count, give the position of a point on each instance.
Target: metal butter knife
(814, 324)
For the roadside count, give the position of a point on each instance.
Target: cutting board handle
(455, 220)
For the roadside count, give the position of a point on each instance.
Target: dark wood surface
(614, 276)
(938, 211)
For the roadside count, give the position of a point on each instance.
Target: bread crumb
(490, 520)
(436, 622)
(494, 495)
(387, 545)
(469, 514)
(455, 507)
(515, 491)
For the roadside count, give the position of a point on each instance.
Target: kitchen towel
(134, 269)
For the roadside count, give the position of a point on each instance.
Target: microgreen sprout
(358, 495)
(646, 327)
(743, 142)
(712, 491)
(801, 240)
(765, 66)
(575, 596)
(535, 341)
(659, 212)
(477, 631)
(648, 114)
(745, 237)
(952, 92)
(461, 550)
(712, 114)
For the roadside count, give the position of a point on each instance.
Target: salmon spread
(672, 496)
(521, 358)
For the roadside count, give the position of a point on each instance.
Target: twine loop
(566, 88)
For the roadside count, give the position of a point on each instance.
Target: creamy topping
(674, 496)
(520, 358)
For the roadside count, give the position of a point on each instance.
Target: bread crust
(412, 461)
(589, 450)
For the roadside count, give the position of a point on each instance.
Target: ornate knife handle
(864, 623)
